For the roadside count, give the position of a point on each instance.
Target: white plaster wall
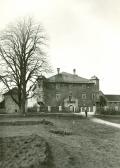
(10, 105)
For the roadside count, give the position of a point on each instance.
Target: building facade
(67, 91)
(112, 102)
(8, 105)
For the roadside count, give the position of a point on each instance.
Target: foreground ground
(73, 142)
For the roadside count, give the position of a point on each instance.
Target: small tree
(23, 58)
(103, 101)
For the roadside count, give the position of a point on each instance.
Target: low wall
(2, 111)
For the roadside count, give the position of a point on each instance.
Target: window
(84, 96)
(57, 86)
(70, 98)
(93, 96)
(116, 108)
(88, 86)
(58, 96)
(70, 93)
(84, 86)
(70, 86)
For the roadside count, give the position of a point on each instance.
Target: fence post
(94, 109)
(49, 108)
(38, 108)
(60, 108)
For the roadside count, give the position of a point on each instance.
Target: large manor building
(67, 91)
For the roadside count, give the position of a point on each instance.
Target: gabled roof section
(113, 98)
(12, 91)
(65, 77)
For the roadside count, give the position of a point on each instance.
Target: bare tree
(23, 58)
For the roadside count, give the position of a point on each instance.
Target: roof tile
(113, 97)
(68, 78)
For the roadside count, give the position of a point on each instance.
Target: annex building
(112, 102)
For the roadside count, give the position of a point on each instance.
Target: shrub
(46, 122)
(107, 111)
(61, 132)
(32, 109)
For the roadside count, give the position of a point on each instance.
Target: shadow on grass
(14, 123)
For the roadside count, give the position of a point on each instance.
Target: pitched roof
(68, 78)
(13, 91)
(113, 98)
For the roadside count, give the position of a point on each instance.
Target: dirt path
(100, 121)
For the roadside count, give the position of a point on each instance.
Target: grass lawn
(88, 145)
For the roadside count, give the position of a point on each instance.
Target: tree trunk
(22, 107)
(23, 101)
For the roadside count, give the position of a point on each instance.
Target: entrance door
(71, 108)
(71, 104)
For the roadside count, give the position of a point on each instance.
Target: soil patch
(25, 152)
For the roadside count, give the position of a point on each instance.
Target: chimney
(74, 71)
(58, 70)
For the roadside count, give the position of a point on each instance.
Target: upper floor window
(58, 96)
(70, 98)
(88, 86)
(70, 86)
(57, 86)
(84, 86)
(93, 96)
(84, 96)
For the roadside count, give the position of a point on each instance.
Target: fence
(61, 109)
(2, 111)
(108, 111)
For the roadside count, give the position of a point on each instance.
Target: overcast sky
(83, 34)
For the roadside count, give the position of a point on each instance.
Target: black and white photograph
(59, 84)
